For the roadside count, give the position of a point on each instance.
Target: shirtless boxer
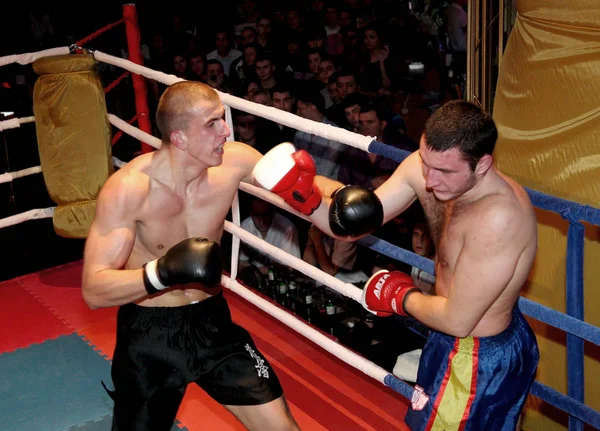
(153, 251)
(481, 357)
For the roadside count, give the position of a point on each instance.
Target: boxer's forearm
(436, 313)
(113, 287)
(327, 185)
(320, 218)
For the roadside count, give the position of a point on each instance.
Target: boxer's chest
(447, 223)
(171, 218)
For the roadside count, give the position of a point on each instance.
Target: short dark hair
(254, 45)
(237, 113)
(313, 96)
(263, 56)
(316, 50)
(379, 110)
(214, 61)
(325, 56)
(281, 87)
(463, 125)
(346, 71)
(355, 98)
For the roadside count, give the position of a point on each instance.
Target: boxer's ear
(484, 164)
(178, 139)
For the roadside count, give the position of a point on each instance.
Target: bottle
(330, 307)
(272, 283)
(293, 297)
(308, 315)
(331, 318)
(282, 295)
(308, 299)
(271, 275)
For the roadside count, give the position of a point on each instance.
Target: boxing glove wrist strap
(151, 281)
(405, 295)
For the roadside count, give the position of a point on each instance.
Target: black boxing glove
(354, 211)
(192, 260)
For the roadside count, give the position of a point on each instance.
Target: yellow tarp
(547, 108)
(74, 138)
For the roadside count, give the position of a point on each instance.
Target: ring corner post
(140, 89)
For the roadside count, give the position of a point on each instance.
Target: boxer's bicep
(112, 233)
(397, 193)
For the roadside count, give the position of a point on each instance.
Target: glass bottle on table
(293, 302)
(272, 283)
(330, 311)
(308, 299)
(271, 276)
(282, 295)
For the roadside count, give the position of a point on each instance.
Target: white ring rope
(9, 176)
(16, 122)
(30, 57)
(313, 272)
(27, 215)
(312, 334)
(285, 118)
(13, 123)
(134, 131)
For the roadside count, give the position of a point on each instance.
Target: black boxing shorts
(162, 349)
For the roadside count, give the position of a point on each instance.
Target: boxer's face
(207, 134)
(447, 174)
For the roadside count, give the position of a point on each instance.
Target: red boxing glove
(290, 174)
(385, 292)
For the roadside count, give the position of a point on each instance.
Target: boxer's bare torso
(148, 214)
(166, 216)
(462, 229)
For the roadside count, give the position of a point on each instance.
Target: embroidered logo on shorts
(419, 398)
(261, 368)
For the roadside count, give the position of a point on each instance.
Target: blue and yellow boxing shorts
(474, 384)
